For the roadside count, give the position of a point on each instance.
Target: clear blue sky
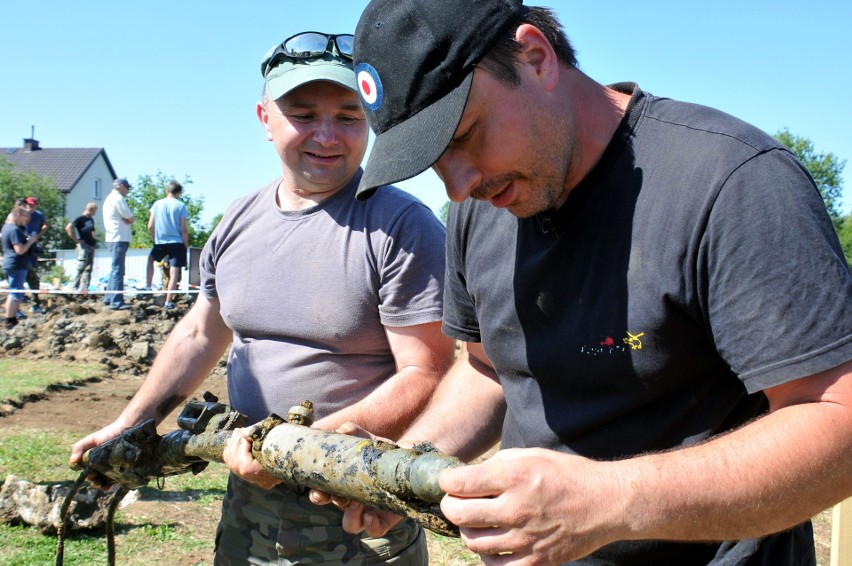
(171, 85)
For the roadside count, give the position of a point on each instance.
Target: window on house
(96, 189)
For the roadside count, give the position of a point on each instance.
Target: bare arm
(471, 388)
(423, 354)
(22, 249)
(69, 229)
(771, 474)
(190, 352)
(151, 226)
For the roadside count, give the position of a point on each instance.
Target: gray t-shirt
(308, 293)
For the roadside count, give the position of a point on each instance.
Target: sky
(171, 86)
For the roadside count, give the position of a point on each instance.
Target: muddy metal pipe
(376, 473)
(372, 472)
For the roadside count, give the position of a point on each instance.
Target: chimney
(31, 144)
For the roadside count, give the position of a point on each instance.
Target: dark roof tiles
(64, 165)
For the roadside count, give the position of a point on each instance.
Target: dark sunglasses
(309, 45)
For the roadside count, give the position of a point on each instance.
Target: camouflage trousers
(282, 527)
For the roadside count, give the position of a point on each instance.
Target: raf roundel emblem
(369, 86)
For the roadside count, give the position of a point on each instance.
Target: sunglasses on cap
(309, 45)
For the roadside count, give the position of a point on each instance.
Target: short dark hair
(501, 59)
(174, 188)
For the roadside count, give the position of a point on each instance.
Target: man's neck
(290, 198)
(596, 112)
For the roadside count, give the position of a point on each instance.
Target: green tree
(845, 235)
(825, 168)
(444, 212)
(215, 222)
(146, 191)
(15, 184)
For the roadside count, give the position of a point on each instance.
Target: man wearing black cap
(118, 219)
(320, 297)
(655, 308)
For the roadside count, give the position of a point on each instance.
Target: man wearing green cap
(321, 297)
(656, 310)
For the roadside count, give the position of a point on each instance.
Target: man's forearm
(767, 476)
(186, 359)
(465, 415)
(422, 355)
(391, 408)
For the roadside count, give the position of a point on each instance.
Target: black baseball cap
(414, 63)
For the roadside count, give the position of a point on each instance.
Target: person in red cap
(36, 227)
(656, 310)
(16, 247)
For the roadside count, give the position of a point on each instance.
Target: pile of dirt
(83, 329)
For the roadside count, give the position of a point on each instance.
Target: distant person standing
(36, 227)
(82, 231)
(117, 220)
(16, 247)
(167, 225)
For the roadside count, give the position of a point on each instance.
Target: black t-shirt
(694, 267)
(85, 229)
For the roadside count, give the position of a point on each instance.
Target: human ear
(538, 54)
(263, 116)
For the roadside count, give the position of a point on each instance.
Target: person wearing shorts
(167, 225)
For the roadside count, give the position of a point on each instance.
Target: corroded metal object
(376, 473)
(139, 454)
(372, 472)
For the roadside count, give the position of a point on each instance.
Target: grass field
(22, 378)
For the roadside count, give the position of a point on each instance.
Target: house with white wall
(81, 174)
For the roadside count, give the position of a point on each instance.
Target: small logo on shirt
(634, 340)
(608, 346)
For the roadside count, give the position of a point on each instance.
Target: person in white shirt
(117, 220)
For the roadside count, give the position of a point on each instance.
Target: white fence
(136, 266)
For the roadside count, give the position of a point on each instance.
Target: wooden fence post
(841, 534)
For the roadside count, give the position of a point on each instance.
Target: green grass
(449, 550)
(41, 456)
(37, 455)
(25, 546)
(20, 378)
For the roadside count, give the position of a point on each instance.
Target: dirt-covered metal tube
(371, 472)
(410, 473)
